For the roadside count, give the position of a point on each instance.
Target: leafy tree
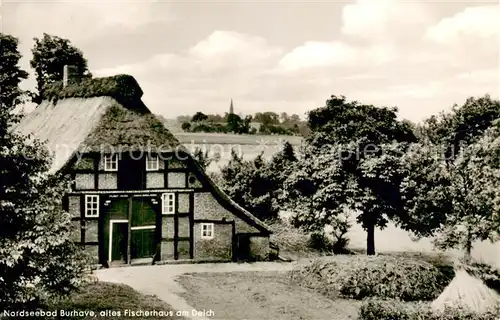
(257, 184)
(284, 117)
(351, 163)
(199, 117)
(50, 54)
(248, 184)
(37, 257)
(186, 126)
(457, 200)
(215, 118)
(267, 118)
(461, 126)
(10, 76)
(281, 165)
(238, 125)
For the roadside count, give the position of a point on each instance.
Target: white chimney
(70, 75)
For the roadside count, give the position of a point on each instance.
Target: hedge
(398, 310)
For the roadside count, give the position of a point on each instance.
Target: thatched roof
(123, 88)
(105, 115)
(468, 292)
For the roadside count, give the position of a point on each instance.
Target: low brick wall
(220, 247)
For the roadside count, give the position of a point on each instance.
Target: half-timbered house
(137, 194)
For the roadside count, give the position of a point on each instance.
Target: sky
(282, 56)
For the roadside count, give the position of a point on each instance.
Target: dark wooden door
(143, 232)
(119, 242)
(131, 172)
(243, 247)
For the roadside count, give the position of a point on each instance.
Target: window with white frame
(207, 230)
(91, 206)
(152, 163)
(168, 203)
(110, 162)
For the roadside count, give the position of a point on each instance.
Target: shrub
(359, 277)
(397, 310)
(288, 238)
(319, 241)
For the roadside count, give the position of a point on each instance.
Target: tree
(461, 126)
(351, 162)
(284, 118)
(37, 258)
(50, 54)
(456, 200)
(186, 126)
(199, 117)
(237, 125)
(256, 185)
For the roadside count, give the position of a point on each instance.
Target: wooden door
(243, 248)
(143, 233)
(118, 248)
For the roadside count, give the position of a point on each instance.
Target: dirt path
(160, 280)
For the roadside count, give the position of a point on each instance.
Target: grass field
(224, 138)
(248, 146)
(394, 239)
(261, 295)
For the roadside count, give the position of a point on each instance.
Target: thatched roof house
(137, 194)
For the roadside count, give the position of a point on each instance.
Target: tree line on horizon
(261, 122)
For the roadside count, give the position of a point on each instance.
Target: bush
(359, 277)
(288, 238)
(397, 310)
(319, 241)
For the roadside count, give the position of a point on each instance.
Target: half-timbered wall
(152, 232)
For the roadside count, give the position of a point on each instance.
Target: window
(168, 203)
(91, 206)
(152, 163)
(110, 162)
(207, 230)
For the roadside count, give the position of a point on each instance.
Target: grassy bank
(113, 301)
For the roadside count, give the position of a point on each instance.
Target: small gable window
(152, 163)
(207, 230)
(168, 203)
(111, 162)
(91, 206)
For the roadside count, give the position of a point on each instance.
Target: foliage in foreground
(398, 310)
(359, 277)
(102, 296)
(38, 259)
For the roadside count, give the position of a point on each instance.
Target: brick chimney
(70, 75)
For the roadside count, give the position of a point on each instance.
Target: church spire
(231, 108)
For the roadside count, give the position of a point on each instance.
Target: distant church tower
(231, 108)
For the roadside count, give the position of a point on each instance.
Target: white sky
(188, 56)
